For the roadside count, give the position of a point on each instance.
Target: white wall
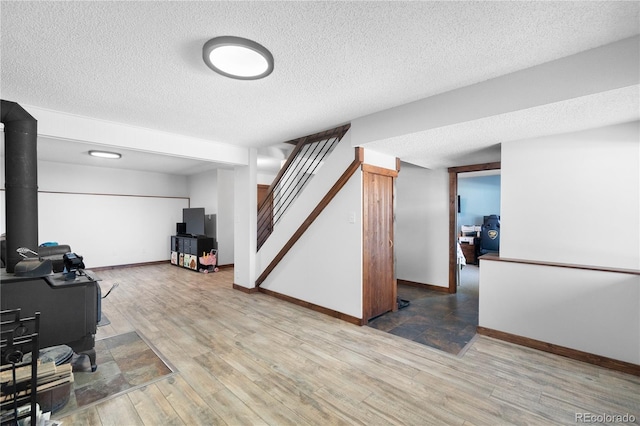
(101, 180)
(579, 195)
(325, 265)
(110, 230)
(109, 216)
(579, 192)
(203, 191)
(378, 159)
(225, 217)
(245, 222)
(422, 225)
(214, 190)
(265, 178)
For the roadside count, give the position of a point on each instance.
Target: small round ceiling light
(238, 58)
(105, 154)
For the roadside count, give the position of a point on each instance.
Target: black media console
(186, 251)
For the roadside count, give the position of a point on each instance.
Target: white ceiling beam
(59, 125)
(589, 74)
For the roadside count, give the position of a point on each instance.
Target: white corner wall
(572, 199)
(422, 225)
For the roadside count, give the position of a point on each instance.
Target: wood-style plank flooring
(251, 359)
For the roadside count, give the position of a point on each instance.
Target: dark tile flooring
(440, 320)
(124, 361)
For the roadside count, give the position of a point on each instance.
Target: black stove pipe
(21, 180)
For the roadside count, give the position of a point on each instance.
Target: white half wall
(570, 199)
(591, 311)
(422, 225)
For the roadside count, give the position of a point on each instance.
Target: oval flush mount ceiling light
(237, 57)
(105, 154)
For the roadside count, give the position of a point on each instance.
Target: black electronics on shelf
(194, 219)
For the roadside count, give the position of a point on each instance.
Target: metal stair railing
(304, 161)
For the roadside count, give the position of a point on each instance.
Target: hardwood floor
(254, 359)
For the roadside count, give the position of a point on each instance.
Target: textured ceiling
(475, 141)
(140, 62)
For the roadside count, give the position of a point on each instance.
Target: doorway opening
(444, 318)
(454, 227)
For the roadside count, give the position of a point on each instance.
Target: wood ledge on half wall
(497, 258)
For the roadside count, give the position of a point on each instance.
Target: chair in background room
(490, 235)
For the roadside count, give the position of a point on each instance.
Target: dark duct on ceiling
(21, 180)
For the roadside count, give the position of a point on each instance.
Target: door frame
(366, 253)
(453, 215)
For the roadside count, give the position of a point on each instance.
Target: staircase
(303, 163)
(313, 250)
